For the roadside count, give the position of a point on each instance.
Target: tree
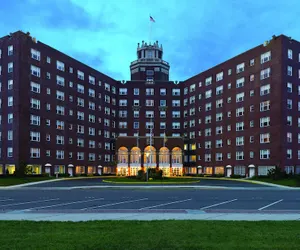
(21, 169)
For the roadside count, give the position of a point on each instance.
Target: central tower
(149, 65)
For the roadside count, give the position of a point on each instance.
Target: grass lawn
(12, 180)
(164, 180)
(152, 235)
(285, 182)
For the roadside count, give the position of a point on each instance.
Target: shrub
(276, 173)
(141, 175)
(236, 176)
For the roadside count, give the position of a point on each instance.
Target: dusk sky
(195, 34)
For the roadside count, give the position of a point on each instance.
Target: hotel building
(241, 117)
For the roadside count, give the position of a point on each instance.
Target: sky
(195, 34)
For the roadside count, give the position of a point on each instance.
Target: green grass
(285, 182)
(12, 180)
(162, 181)
(152, 235)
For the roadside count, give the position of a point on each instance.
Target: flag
(152, 19)
(165, 139)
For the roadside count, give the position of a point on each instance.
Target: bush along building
(58, 115)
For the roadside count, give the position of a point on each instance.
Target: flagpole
(150, 32)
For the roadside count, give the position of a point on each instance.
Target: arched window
(135, 155)
(176, 155)
(123, 155)
(149, 155)
(164, 156)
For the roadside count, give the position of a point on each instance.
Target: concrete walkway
(149, 216)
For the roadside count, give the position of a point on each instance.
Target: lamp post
(147, 158)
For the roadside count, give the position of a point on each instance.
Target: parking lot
(127, 200)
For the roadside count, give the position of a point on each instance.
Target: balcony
(154, 60)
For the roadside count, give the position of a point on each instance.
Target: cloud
(196, 35)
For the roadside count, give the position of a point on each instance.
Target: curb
(29, 184)
(248, 181)
(151, 183)
(51, 180)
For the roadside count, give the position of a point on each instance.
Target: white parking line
(6, 200)
(221, 203)
(27, 202)
(112, 204)
(61, 204)
(270, 204)
(165, 204)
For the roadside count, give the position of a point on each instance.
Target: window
(35, 54)
(289, 87)
(265, 73)
(10, 67)
(290, 54)
(289, 70)
(176, 92)
(163, 92)
(240, 82)
(289, 136)
(240, 141)
(162, 103)
(240, 97)
(35, 136)
(149, 103)
(60, 154)
(240, 68)
(265, 57)
(35, 104)
(289, 104)
(10, 50)
(219, 103)
(265, 138)
(92, 93)
(264, 106)
(92, 80)
(35, 120)
(35, 87)
(34, 153)
(80, 88)
(123, 91)
(264, 90)
(240, 112)
(60, 110)
(239, 156)
(48, 59)
(208, 81)
(80, 75)
(219, 90)
(264, 122)
(208, 94)
(36, 71)
(60, 66)
(60, 95)
(264, 154)
(251, 62)
(239, 126)
(136, 91)
(175, 103)
(219, 76)
(10, 101)
(9, 135)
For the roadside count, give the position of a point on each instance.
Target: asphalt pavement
(148, 200)
(99, 181)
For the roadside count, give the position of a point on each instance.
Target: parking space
(83, 201)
